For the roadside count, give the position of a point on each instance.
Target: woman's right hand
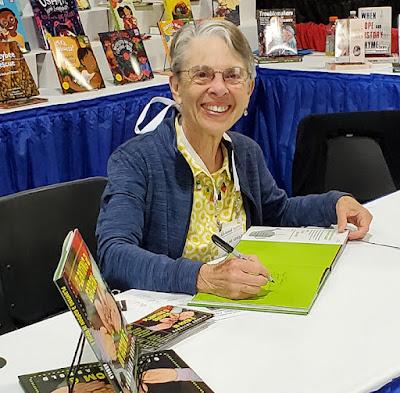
(233, 278)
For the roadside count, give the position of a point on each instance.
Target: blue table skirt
(52, 144)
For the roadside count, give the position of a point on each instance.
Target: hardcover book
(349, 41)
(126, 56)
(299, 260)
(76, 64)
(16, 81)
(11, 26)
(378, 30)
(167, 29)
(165, 324)
(227, 9)
(88, 377)
(177, 9)
(54, 18)
(276, 32)
(127, 368)
(123, 13)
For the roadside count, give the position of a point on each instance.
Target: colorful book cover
(227, 9)
(88, 297)
(16, 81)
(165, 324)
(88, 377)
(378, 30)
(299, 261)
(126, 56)
(56, 18)
(123, 12)
(276, 32)
(177, 9)
(11, 26)
(76, 64)
(167, 30)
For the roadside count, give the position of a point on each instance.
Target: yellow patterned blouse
(215, 202)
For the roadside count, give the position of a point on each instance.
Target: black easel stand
(76, 361)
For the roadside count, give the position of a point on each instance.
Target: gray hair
(226, 30)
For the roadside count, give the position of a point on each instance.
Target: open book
(299, 260)
(120, 353)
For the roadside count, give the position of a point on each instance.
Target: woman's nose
(218, 85)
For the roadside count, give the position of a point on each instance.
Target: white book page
(313, 235)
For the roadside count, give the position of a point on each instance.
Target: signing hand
(348, 210)
(234, 278)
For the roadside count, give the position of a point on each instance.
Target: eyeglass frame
(248, 74)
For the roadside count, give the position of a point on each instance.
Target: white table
(349, 342)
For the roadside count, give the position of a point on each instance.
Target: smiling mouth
(216, 108)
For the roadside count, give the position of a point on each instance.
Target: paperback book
(56, 18)
(378, 30)
(165, 324)
(76, 64)
(227, 9)
(276, 32)
(349, 41)
(17, 87)
(177, 9)
(126, 56)
(299, 260)
(123, 13)
(11, 26)
(127, 367)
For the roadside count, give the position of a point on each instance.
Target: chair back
(354, 152)
(33, 226)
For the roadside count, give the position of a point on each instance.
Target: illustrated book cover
(378, 30)
(126, 56)
(56, 18)
(127, 367)
(16, 81)
(76, 64)
(227, 9)
(299, 260)
(350, 41)
(177, 9)
(165, 324)
(167, 30)
(11, 26)
(123, 12)
(276, 30)
(89, 377)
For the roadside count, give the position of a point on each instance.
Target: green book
(299, 260)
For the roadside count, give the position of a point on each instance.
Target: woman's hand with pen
(233, 278)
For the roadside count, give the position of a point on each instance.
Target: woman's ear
(174, 86)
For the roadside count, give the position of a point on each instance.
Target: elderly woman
(169, 190)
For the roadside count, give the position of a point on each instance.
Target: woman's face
(210, 109)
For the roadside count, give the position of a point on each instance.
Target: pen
(223, 245)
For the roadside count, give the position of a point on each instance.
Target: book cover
(56, 18)
(166, 323)
(76, 64)
(177, 9)
(349, 41)
(11, 26)
(88, 297)
(16, 81)
(88, 377)
(378, 30)
(126, 56)
(276, 30)
(167, 30)
(127, 368)
(299, 260)
(123, 13)
(227, 9)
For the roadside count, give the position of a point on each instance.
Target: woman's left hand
(348, 210)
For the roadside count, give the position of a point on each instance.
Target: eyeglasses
(203, 75)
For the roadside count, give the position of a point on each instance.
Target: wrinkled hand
(348, 210)
(234, 278)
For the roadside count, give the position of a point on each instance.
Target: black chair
(33, 226)
(357, 152)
